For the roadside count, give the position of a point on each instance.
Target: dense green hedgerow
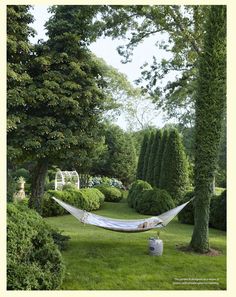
(218, 212)
(111, 194)
(186, 216)
(154, 202)
(33, 259)
(135, 192)
(86, 199)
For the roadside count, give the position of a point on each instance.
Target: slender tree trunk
(210, 108)
(38, 181)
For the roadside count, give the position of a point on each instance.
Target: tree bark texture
(38, 181)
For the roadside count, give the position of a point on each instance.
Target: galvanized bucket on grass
(155, 246)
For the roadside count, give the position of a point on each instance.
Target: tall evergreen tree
(139, 174)
(18, 53)
(119, 160)
(159, 156)
(210, 109)
(65, 100)
(147, 155)
(152, 157)
(174, 168)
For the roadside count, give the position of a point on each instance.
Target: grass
(99, 259)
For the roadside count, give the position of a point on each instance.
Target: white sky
(106, 49)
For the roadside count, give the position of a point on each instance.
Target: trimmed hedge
(218, 212)
(86, 199)
(95, 196)
(111, 194)
(33, 259)
(154, 202)
(135, 192)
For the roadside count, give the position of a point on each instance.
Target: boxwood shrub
(95, 197)
(86, 199)
(154, 201)
(111, 194)
(33, 259)
(135, 192)
(218, 212)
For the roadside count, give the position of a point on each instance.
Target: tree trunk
(38, 181)
(210, 107)
(200, 241)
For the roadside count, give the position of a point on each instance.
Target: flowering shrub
(98, 180)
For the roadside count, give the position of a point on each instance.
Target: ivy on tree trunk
(210, 108)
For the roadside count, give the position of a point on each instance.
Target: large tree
(18, 55)
(210, 109)
(186, 33)
(178, 32)
(64, 101)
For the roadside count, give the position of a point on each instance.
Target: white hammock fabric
(140, 225)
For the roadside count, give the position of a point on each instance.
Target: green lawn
(99, 259)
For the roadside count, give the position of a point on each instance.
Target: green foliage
(139, 174)
(119, 160)
(147, 156)
(86, 199)
(135, 192)
(154, 201)
(18, 49)
(69, 187)
(218, 217)
(33, 259)
(153, 155)
(49, 185)
(63, 101)
(22, 172)
(159, 157)
(94, 195)
(184, 26)
(62, 241)
(174, 169)
(11, 186)
(49, 206)
(210, 111)
(111, 194)
(186, 216)
(150, 158)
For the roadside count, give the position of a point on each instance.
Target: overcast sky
(106, 49)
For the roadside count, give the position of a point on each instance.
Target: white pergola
(66, 177)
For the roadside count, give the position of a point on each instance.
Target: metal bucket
(155, 246)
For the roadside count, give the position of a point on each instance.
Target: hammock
(140, 225)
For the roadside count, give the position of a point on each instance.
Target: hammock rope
(140, 225)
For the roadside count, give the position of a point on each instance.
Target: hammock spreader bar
(140, 225)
